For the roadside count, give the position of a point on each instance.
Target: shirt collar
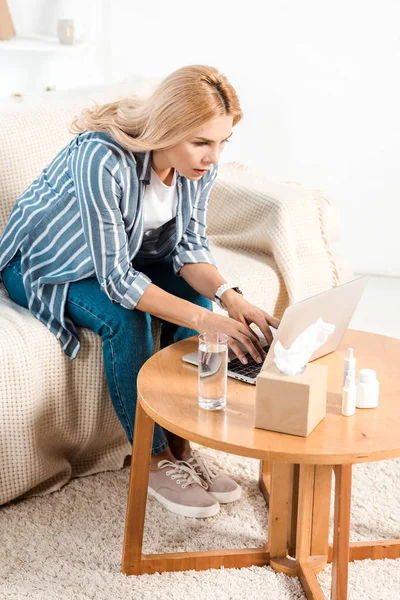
(143, 161)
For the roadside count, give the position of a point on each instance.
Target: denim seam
(121, 404)
(159, 448)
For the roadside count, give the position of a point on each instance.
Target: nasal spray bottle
(349, 365)
(349, 396)
(349, 385)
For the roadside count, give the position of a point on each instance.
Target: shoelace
(184, 472)
(199, 460)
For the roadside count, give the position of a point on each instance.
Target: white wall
(318, 83)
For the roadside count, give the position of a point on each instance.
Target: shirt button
(179, 184)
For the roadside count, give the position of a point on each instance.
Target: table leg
(293, 504)
(137, 495)
(283, 517)
(279, 517)
(340, 562)
(374, 550)
(264, 481)
(134, 562)
(312, 548)
(305, 571)
(304, 515)
(321, 511)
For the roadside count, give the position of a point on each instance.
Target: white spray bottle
(349, 365)
(349, 396)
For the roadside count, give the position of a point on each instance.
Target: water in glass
(213, 366)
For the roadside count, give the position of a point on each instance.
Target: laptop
(335, 306)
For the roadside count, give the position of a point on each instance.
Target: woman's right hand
(210, 322)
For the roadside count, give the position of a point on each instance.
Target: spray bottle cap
(350, 381)
(349, 361)
(367, 375)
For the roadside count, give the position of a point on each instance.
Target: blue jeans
(127, 340)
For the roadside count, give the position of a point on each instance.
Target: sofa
(56, 417)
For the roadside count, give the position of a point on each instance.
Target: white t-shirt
(160, 202)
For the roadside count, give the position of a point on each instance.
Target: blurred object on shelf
(65, 31)
(17, 97)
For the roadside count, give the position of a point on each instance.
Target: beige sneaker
(177, 487)
(223, 488)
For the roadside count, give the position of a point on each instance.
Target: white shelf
(40, 43)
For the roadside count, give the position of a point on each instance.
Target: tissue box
(292, 404)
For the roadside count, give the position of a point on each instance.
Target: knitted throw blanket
(251, 212)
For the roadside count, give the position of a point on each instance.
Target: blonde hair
(182, 102)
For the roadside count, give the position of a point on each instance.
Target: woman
(114, 231)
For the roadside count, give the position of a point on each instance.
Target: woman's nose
(212, 157)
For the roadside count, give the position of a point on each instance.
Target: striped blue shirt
(83, 217)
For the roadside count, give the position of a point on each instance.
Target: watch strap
(222, 288)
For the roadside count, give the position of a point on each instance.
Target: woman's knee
(90, 307)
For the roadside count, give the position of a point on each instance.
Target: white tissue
(294, 360)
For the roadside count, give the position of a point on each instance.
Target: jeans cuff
(159, 449)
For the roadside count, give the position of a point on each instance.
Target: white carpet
(67, 545)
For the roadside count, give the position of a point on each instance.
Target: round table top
(167, 390)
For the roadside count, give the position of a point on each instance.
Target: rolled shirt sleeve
(193, 246)
(97, 179)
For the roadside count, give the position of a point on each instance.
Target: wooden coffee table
(295, 473)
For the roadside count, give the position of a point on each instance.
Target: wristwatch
(222, 288)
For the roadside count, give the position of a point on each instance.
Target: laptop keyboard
(252, 369)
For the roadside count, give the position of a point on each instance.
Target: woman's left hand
(242, 310)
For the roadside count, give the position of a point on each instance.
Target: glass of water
(213, 368)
